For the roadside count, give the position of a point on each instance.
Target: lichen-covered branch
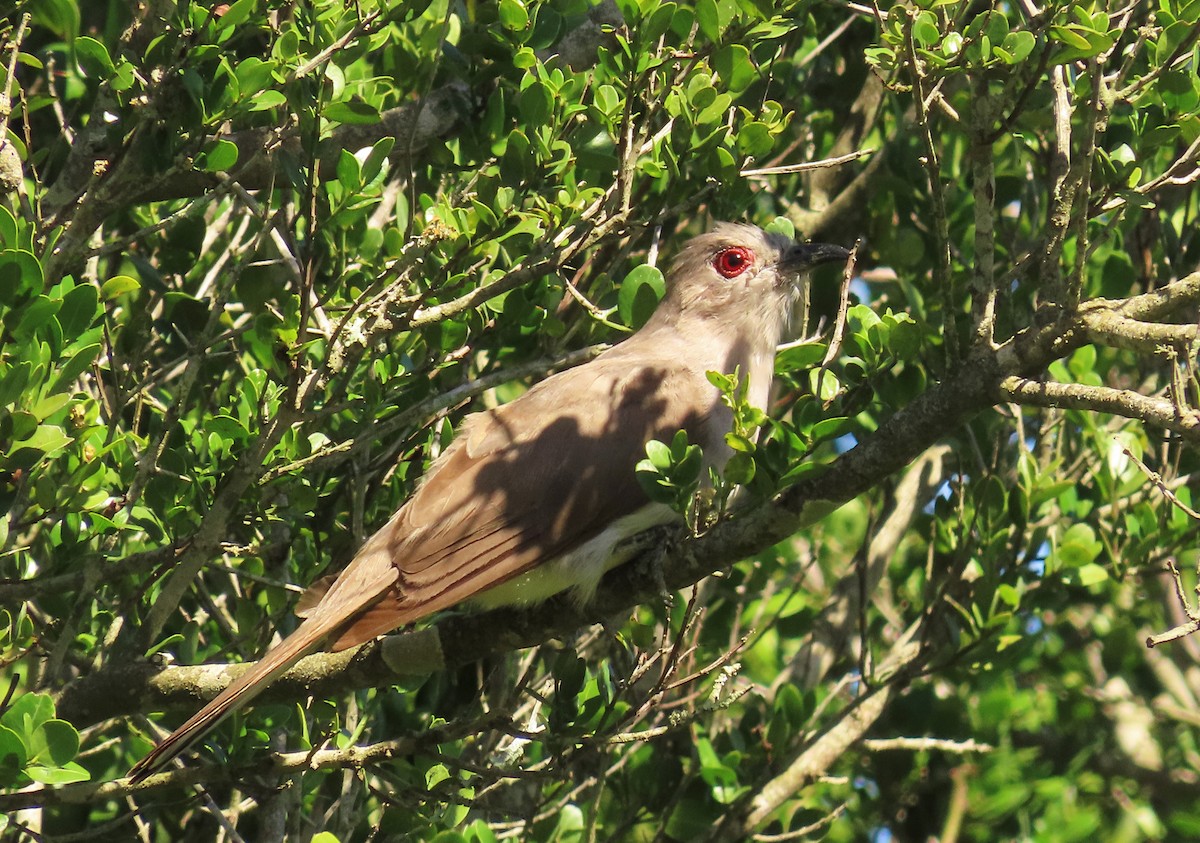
(1160, 412)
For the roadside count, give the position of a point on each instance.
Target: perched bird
(532, 497)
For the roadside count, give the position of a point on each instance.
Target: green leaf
(481, 833)
(1078, 547)
(754, 139)
(904, 338)
(513, 15)
(739, 443)
(93, 57)
(24, 424)
(1082, 533)
(75, 366)
(354, 110)
(39, 312)
(656, 25)
(952, 44)
(236, 14)
(1019, 45)
(735, 66)
(570, 824)
(1082, 362)
(607, 99)
(123, 77)
(925, 29)
(723, 382)
(13, 382)
(435, 775)
(59, 16)
(27, 713)
(524, 58)
(863, 316)
(1086, 575)
(48, 406)
(219, 156)
(639, 295)
(372, 165)
(1070, 36)
(824, 384)
(536, 103)
(1079, 43)
(349, 172)
(118, 285)
(56, 742)
(47, 439)
(253, 75)
(679, 444)
(1009, 595)
(686, 472)
(740, 469)
(1006, 641)
(795, 358)
(166, 642)
(80, 308)
(264, 100)
(20, 272)
(709, 20)
(8, 228)
(831, 428)
(782, 225)
(517, 165)
(659, 454)
(13, 755)
(996, 26)
(69, 774)
(1170, 39)
(287, 47)
(657, 488)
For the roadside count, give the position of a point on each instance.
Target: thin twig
(839, 322)
(1156, 478)
(922, 744)
(363, 27)
(805, 831)
(5, 97)
(835, 161)
(1192, 625)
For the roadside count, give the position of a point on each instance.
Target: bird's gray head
(742, 274)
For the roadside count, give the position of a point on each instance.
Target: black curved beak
(807, 255)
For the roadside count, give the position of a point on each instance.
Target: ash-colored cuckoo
(533, 497)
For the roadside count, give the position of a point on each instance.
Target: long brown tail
(241, 691)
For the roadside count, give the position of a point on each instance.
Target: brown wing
(525, 483)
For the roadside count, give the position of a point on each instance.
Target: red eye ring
(732, 261)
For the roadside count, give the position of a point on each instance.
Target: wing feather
(527, 482)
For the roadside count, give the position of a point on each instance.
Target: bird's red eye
(733, 261)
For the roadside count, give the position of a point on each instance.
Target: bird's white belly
(581, 569)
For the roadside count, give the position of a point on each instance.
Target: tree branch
(1106, 327)
(1159, 412)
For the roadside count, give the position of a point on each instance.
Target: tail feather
(239, 692)
(362, 583)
